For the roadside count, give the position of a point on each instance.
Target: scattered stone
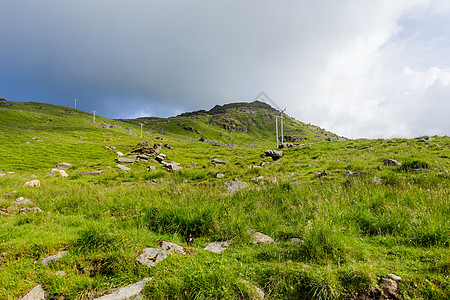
(8, 194)
(125, 168)
(151, 168)
(33, 176)
(152, 256)
(2, 174)
(129, 292)
(259, 178)
(30, 209)
(60, 273)
(291, 175)
(219, 161)
(388, 285)
(32, 183)
(220, 175)
(126, 160)
(260, 238)
(22, 201)
(53, 258)
(93, 173)
(319, 174)
(104, 126)
(161, 157)
(172, 247)
(395, 277)
(376, 180)
(392, 162)
(127, 183)
(296, 241)
(63, 166)
(235, 185)
(26, 143)
(253, 146)
(168, 146)
(275, 154)
(254, 167)
(37, 293)
(259, 292)
(111, 148)
(3, 256)
(171, 166)
(119, 154)
(263, 163)
(351, 174)
(217, 247)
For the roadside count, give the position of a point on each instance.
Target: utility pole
(94, 116)
(75, 103)
(141, 128)
(263, 97)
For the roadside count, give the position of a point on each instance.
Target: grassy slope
(353, 232)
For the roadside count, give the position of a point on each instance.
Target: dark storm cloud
(320, 59)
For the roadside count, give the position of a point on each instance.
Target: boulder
(388, 285)
(376, 180)
(53, 258)
(32, 183)
(22, 201)
(217, 247)
(259, 178)
(235, 185)
(319, 174)
(392, 162)
(220, 175)
(260, 238)
(63, 166)
(152, 256)
(296, 240)
(151, 168)
(351, 174)
(119, 154)
(126, 160)
(123, 167)
(37, 293)
(172, 247)
(275, 154)
(219, 161)
(129, 292)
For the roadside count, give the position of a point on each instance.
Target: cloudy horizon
(360, 69)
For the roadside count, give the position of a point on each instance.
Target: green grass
(353, 232)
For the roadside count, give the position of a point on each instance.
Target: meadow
(349, 232)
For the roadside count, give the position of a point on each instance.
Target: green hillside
(346, 222)
(240, 124)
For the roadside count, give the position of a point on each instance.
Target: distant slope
(238, 123)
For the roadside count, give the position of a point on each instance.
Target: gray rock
(421, 140)
(388, 285)
(261, 238)
(319, 174)
(63, 166)
(219, 161)
(392, 162)
(129, 292)
(220, 175)
(33, 176)
(9, 193)
(60, 273)
(93, 173)
(30, 209)
(22, 201)
(235, 185)
(259, 292)
(151, 168)
(217, 247)
(351, 174)
(53, 258)
(259, 178)
(172, 247)
(395, 277)
(152, 256)
(296, 240)
(161, 157)
(37, 293)
(125, 168)
(254, 167)
(376, 180)
(126, 160)
(171, 166)
(275, 154)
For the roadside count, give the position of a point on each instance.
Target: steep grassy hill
(239, 124)
(346, 224)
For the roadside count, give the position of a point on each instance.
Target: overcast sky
(359, 68)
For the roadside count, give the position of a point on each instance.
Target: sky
(358, 68)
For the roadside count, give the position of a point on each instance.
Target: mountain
(239, 123)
